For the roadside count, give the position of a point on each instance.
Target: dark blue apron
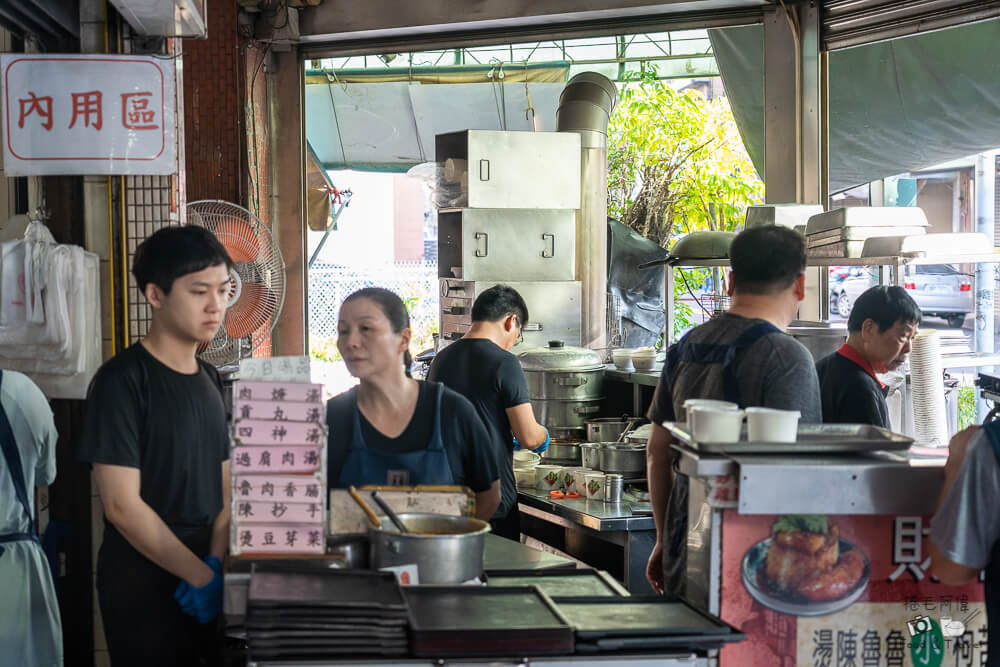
(12, 457)
(674, 548)
(429, 465)
(992, 587)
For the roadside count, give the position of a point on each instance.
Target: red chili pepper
(558, 495)
(572, 494)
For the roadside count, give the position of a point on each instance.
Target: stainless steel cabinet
(499, 244)
(516, 169)
(553, 309)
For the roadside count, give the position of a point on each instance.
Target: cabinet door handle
(484, 170)
(551, 238)
(486, 244)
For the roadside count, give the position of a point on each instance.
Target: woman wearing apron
(392, 429)
(30, 630)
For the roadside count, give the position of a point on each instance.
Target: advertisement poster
(843, 591)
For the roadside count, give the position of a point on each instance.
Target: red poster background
(771, 636)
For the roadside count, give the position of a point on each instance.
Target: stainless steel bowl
(590, 454)
(564, 451)
(605, 429)
(625, 459)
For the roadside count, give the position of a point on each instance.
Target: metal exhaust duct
(585, 107)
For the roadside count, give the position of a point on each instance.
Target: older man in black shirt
(481, 368)
(882, 323)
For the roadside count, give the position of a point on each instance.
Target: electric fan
(258, 279)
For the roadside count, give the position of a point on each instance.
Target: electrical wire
(691, 292)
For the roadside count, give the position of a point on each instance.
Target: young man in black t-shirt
(480, 367)
(155, 433)
(882, 323)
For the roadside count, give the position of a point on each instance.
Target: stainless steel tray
(812, 438)
(563, 582)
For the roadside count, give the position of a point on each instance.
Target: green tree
(677, 164)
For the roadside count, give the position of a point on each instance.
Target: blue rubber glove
(545, 445)
(540, 448)
(204, 603)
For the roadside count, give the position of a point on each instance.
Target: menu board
(278, 463)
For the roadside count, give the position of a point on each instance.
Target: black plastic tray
(602, 618)
(467, 621)
(583, 582)
(338, 589)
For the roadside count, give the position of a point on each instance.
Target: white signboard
(88, 114)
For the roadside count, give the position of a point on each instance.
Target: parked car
(941, 290)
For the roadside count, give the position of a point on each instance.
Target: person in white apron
(30, 629)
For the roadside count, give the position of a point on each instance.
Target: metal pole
(985, 328)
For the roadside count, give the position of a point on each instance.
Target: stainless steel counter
(892, 483)
(591, 514)
(604, 536)
(644, 378)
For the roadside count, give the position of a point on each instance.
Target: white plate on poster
(752, 569)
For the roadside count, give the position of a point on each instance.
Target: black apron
(12, 457)
(992, 587)
(675, 532)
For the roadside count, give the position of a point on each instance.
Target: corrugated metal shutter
(848, 23)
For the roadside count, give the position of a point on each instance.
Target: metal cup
(613, 488)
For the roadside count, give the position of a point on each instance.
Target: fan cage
(258, 292)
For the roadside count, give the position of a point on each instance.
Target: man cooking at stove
(481, 367)
(742, 356)
(882, 323)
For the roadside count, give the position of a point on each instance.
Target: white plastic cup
(770, 425)
(548, 478)
(524, 478)
(594, 485)
(710, 424)
(570, 478)
(704, 402)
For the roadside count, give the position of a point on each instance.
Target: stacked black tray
(604, 624)
(310, 613)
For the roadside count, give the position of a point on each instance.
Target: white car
(940, 290)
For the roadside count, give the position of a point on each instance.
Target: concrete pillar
(592, 246)
(984, 331)
(795, 121)
(286, 86)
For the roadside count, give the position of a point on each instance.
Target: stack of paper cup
(930, 420)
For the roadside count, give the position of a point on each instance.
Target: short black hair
(767, 259)
(498, 302)
(172, 252)
(884, 304)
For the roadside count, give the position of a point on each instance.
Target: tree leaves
(676, 162)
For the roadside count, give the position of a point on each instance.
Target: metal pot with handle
(445, 549)
(566, 384)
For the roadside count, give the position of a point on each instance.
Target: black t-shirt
(462, 433)
(171, 426)
(849, 394)
(493, 380)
